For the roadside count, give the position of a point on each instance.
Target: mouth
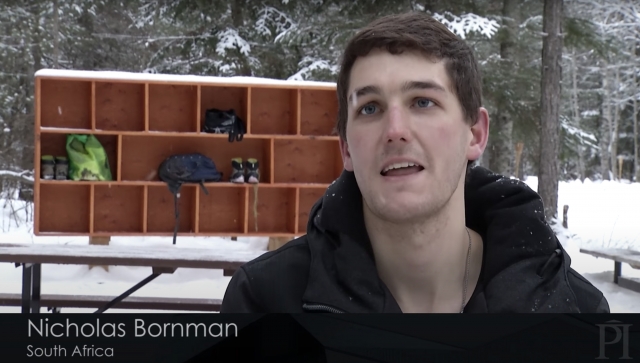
(401, 169)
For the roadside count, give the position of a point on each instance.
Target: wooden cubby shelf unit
(141, 119)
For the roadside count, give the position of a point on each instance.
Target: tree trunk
(549, 106)
(575, 106)
(615, 126)
(36, 51)
(636, 166)
(605, 123)
(502, 152)
(56, 35)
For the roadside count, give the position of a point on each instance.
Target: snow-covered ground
(600, 214)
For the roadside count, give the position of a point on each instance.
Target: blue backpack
(187, 168)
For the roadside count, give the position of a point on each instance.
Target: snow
(468, 23)
(157, 256)
(26, 175)
(312, 65)
(229, 40)
(601, 214)
(111, 76)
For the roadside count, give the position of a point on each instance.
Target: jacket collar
(505, 212)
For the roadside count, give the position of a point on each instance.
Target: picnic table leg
(125, 294)
(26, 287)
(36, 277)
(617, 271)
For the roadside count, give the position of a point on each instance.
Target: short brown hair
(414, 31)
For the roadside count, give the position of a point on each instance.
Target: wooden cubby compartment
(65, 104)
(274, 111)
(307, 198)
(55, 144)
(306, 161)
(228, 220)
(118, 209)
(161, 215)
(318, 112)
(119, 106)
(173, 108)
(272, 211)
(142, 155)
(142, 119)
(64, 208)
(224, 99)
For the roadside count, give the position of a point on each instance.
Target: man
(410, 226)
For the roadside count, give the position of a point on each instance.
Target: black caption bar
(319, 338)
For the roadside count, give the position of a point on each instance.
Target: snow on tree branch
(583, 137)
(270, 18)
(230, 39)
(468, 23)
(26, 176)
(310, 65)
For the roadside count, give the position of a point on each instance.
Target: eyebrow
(413, 85)
(364, 91)
(407, 86)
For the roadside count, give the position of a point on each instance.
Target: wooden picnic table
(162, 259)
(619, 256)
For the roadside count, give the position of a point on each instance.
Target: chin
(405, 209)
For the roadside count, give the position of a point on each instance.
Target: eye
(424, 102)
(367, 109)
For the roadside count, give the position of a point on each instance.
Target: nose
(398, 127)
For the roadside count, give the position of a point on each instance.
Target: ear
(479, 135)
(346, 156)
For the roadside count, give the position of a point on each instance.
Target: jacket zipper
(319, 307)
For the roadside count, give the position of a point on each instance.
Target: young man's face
(407, 141)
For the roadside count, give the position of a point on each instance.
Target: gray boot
(62, 168)
(252, 169)
(47, 167)
(237, 171)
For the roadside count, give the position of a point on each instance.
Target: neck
(423, 262)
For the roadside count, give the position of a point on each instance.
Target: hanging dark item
(224, 122)
(177, 170)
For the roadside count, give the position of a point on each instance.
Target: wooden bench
(619, 256)
(57, 302)
(160, 259)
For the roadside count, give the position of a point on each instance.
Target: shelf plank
(93, 105)
(196, 211)
(53, 130)
(248, 113)
(119, 157)
(295, 105)
(272, 164)
(193, 185)
(198, 108)
(168, 234)
(246, 211)
(213, 81)
(145, 208)
(38, 153)
(146, 107)
(92, 208)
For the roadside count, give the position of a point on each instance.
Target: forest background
(591, 59)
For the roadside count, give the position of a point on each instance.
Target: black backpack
(187, 168)
(224, 122)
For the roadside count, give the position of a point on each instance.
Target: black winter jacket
(332, 269)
